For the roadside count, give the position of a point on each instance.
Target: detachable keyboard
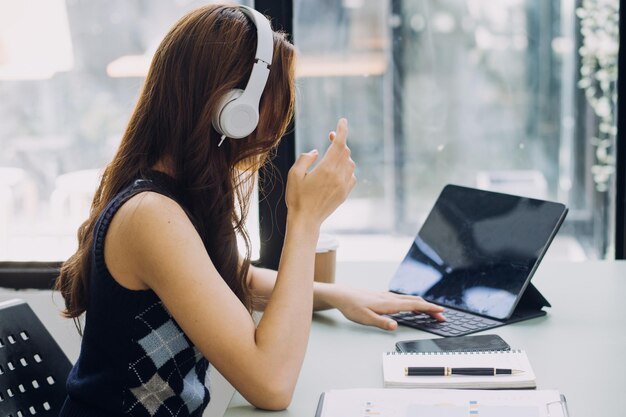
(457, 322)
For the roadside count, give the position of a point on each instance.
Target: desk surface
(579, 348)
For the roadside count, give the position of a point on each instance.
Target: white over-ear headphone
(237, 113)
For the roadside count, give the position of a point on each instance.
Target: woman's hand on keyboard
(369, 307)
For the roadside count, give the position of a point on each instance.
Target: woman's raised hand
(317, 193)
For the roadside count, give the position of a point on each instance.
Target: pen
(446, 371)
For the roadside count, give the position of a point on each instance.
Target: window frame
(22, 275)
(273, 178)
(620, 145)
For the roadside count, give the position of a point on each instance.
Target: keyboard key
(457, 322)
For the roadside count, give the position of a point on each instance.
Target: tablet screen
(477, 250)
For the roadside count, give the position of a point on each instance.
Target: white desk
(578, 348)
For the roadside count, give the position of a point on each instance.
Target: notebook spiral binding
(460, 352)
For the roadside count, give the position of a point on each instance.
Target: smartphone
(454, 344)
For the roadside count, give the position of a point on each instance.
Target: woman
(158, 271)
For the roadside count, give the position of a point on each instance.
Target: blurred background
(517, 96)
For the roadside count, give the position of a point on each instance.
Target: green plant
(599, 26)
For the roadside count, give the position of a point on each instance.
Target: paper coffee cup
(325, 258)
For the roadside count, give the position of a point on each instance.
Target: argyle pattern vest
(135, 360)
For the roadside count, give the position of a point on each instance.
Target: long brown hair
(206, 53)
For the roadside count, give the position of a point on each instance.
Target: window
(70, 75)
(515, 96)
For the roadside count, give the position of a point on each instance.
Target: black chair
(33, 368)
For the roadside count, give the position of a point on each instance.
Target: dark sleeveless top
(135, 360)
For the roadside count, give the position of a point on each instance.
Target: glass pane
(515, 96)
(70, 75)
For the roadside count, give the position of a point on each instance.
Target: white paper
(442, 403)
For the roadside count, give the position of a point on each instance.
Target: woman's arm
(167, 255)
(359, 305)
(152, 244)
(261, 283)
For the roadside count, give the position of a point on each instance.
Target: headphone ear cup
(221, 105)
(235, 117)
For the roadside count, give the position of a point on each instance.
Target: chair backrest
(33, 368)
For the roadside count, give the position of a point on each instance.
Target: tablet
(477, 250)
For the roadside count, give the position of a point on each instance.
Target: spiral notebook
(394, 364)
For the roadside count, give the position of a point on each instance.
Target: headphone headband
(237, 114)
(265, 36)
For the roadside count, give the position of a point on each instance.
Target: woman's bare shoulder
(140, 229)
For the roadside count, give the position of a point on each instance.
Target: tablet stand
(530, 305)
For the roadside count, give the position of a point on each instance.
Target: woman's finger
(342, 131)
(437, 316)
(416, 305)
(373, 319)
